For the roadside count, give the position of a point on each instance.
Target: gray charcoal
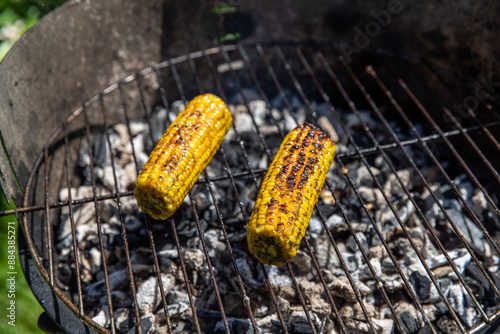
(246, 95)
(371, 195)
(299, 317)
(290, 121)
(137, 127)
(353, 261)
(278, 277)
(460, 257)
(451, 204)
(133, 224)
(462, 304)
(214, 245)
(237, 326)
(243, 122)
(315, 225)
(83, 216)
(177, 106)
(95, 256)
(469, 230)
(258, 109)
(102, 318)
(119, 299)
(122, 319)
(363, 176)
(421, 285)
(365, 273)
(148, 325)
(170, 254)
(384, 326)
(363, 243)
(148, 293)
(117, 280)
(393, 186)
(352, 120)
(341, 287)
(178, 309)
(158, 121)
(481, 286)
(334, 222)
(410, 323)
(247, 274)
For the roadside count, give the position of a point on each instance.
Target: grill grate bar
(411, 198)
(457, 231)
(210, 267)
(379, 186)
(325, 286)
(351, 183)
(257, 84)
(76, 255)
(421, 216)
(246, 299)
(183, 265)
(130, 271)
(448, 218)
(198, 224)
(245, 101)
(268, 153)
(172, 222)
(296, 71)
(47, 215)
(451, 147)
(301, 298)
(281, 132)
(469, 209)
(148, 219)
(254, 179)
(341, 258)
(31, 244)
(351, 280)
(99, 225)
(306, 311)
(470, 112)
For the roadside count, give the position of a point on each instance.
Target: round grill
(404, 235)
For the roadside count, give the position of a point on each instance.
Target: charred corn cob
(181, 155)
(288, 194)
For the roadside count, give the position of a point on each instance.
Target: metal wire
(287, 67)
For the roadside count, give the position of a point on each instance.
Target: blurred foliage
(27, 307)
(17, 16)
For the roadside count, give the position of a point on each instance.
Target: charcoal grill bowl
(84, 46)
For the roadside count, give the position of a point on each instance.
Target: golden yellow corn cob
(288, 194)
(181, 155)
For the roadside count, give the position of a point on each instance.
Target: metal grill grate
(301, 76)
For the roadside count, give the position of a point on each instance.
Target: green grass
(27, 308)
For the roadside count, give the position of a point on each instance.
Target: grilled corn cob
(288, 194)
(181, 155)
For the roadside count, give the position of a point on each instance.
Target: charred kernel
(181, 155)
(297, 180)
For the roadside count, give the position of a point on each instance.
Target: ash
(360, 220)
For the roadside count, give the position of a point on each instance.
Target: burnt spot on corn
(295, 176)
(180, 156)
